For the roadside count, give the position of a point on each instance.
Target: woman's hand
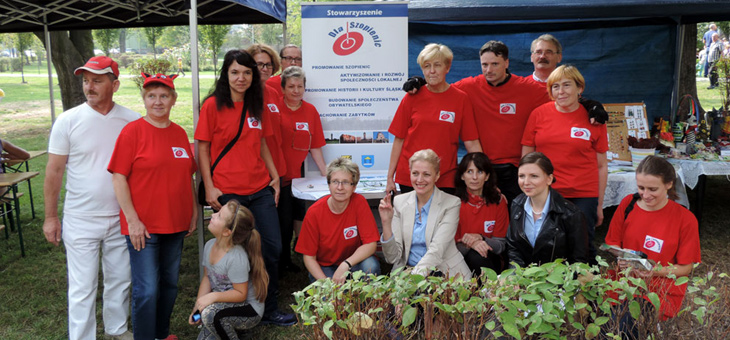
(137, 234)
(482, 248)
(385, 208)
(636, 272)
(390, 186)
(470, 238)
(211, 196)
(277, 189)
(599, 219)
(341, 273)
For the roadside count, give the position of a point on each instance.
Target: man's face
(292, 56)
(99, 89)
(545, 56)
(494, 67)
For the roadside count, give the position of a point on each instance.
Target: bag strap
(634, 198)
(230, 144)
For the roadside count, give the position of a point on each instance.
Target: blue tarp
(620, 64)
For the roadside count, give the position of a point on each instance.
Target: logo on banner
(446, 116)
(273, 108)
(302, 126)
(507, 108)
(368, 161)
(654, 244)
(179, 152)
(350, 232)
(254, 123)
(488, 227)
(346, 157)
(580, 133)
(348, 41)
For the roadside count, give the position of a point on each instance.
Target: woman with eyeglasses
(246, 172)
(339, 234)
(301, 133)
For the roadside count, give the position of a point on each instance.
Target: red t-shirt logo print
(178, 153)
(348, 43)
(578, 133)
(649, 244)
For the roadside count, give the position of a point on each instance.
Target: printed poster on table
(356, 60)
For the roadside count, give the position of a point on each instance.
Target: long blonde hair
(242, 225)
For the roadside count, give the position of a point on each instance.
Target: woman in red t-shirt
(301, 134)
(152, 168)
(483, 218)
(434, 118)
(246, 173)
(662, 229)
(562, 131)
(339, 233)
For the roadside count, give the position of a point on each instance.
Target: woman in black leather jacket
(543, 225)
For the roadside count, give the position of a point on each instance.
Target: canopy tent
(33, 15)
(628, 50)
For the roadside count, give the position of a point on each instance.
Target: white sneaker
(127, 335)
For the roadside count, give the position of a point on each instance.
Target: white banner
(356, 60)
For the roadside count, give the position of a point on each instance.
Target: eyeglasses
(338, 183)
(547, 53)
(262, 66)
(292, 59)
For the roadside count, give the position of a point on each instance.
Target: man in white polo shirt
(81, 144)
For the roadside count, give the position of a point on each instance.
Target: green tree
(212, 38)
(294, 22)
(174, 36)
(153, 34)
(23, 41)
(106, 39)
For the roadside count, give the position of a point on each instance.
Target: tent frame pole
(47, 35)
(194, 72)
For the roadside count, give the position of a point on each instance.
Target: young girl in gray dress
(232, 293)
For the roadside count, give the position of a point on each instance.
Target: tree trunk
(687, 66)
(122, 40)
(70, 49)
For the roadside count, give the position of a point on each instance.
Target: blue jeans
(264, 212)
(588, 206)
(155, 271)
(369, 265)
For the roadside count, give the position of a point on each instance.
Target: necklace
(536, 213)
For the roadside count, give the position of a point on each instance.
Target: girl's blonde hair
(242, 225)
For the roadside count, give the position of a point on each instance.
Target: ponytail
(258, 277)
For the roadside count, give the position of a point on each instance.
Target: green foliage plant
(150, 66)
(551, 301)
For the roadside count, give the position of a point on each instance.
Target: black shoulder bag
(229, 146)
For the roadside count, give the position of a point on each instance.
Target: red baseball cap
(159, 78)
(99, 65)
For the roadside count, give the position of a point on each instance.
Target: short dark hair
(497, 47)
(660, 167)
(539, 159)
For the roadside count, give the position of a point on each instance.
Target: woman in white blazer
(419, 227)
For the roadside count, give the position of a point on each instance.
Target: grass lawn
(34, 288)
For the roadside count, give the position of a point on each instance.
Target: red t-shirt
(159, 167)
(434, 121)
(571, 142)
(242, 170)
(488, 220)
(271, 107)
(501, 112)
(275, 83)
(332, 238)
(301, 130)
(668, 235)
